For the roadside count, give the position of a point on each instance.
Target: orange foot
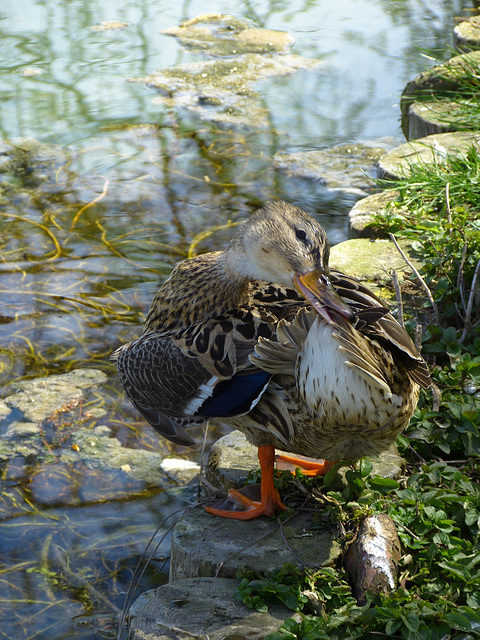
(246, 504)
(308, 466)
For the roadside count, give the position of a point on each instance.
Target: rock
(4, 409)
(232, 458)
(440, 79)
(39, 398)
(205, 545)
(466, 35)
(370, 259)
(221, 90)
(222, 35)
(372, 559)
(188, 609)
(362, 212)
(22, 429)
(347, 167)
(428, 118)
(431, 149)
(179, 470)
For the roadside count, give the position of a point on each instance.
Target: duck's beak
(317, 289)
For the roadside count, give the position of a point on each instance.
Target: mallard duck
(266, 338)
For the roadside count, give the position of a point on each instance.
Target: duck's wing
(381, 326)
(181, 379)
(372, 319)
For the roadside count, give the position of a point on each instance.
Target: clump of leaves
(437, 513)
(438, 210)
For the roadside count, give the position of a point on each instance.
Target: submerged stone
(223, 35)
(348, 167)
(221, 90)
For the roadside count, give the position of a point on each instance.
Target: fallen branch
(421, 280)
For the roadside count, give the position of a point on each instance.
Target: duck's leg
(308, 466)
(239, 505)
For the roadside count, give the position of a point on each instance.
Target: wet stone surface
(86, 463)
(222, 90)
(222, 35)
(348, 167)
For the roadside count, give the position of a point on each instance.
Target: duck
(269, 340)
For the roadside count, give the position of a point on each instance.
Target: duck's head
(282, 244)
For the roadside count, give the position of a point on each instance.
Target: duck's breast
(338, 386)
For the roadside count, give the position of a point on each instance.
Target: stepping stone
(466, 35)
(205, 545)
(431, 149)
(192, 608)
(435, 82)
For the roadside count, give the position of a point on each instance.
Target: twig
(460, 277)
(139, 572)
(471, 298)
(421, 280)
(398, 295)
(288, 545)
(77, 581)
(437, 397)
(447, 201)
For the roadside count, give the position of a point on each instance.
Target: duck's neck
(197, 289)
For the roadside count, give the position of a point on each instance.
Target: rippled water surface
(104, 184)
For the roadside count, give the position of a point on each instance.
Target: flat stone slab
(188, 609)
(348, 167)
(206, 545)
(38, 398)
(431, 149)
(370, 259)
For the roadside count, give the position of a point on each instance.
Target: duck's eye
(300, 234)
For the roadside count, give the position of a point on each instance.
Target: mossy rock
(448, 77)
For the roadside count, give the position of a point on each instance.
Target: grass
(436, 507)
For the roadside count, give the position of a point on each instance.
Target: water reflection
(115, 188)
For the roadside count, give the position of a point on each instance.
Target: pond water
(104, 184)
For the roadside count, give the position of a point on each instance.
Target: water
(118, 190)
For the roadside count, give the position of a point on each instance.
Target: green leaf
(383, 484)
(457, 621)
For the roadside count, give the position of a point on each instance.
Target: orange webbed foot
(308, 466)
(247, 504)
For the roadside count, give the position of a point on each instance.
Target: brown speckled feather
(223, 340)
